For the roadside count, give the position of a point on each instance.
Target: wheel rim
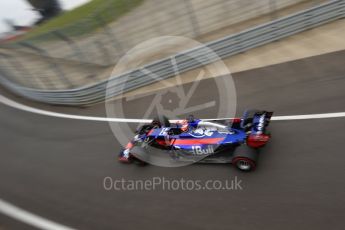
(244, 165)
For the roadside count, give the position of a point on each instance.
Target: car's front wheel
(160, 121)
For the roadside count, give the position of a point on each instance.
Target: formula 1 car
(202, 141)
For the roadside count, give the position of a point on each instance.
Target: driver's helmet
(187, 123)
(184, 126)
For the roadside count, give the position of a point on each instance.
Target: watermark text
(167, 184)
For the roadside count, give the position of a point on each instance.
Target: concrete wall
(153, 18)
(91, 58)
(191, 18)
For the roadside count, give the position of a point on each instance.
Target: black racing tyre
(140, 156)
(245, 158)
(244, 164)
(161, 120)
(139, 162)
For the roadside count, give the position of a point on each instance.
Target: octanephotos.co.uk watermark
(168, 184)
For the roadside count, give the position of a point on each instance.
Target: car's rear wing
(260, 122)
(255, 122)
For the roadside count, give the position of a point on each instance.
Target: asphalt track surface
(55, 167)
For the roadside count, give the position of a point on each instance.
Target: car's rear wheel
(244, 164)
(245, 158)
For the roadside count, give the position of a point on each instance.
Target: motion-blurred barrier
(80, 47)
(184, 61)
(114, 26)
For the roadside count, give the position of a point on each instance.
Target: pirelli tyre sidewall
(245, 158)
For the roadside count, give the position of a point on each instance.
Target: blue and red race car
(193, 140)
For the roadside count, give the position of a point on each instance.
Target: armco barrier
(224, 47)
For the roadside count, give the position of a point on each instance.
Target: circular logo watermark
(158, 81)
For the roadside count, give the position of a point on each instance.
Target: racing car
(204, 141)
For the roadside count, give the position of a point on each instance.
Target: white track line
(309, 116)
(26, 108)
(29, 218)
(296, 117)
